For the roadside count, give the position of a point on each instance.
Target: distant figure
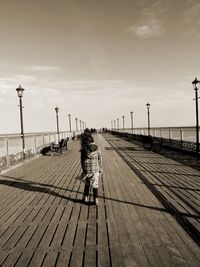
(93, 170)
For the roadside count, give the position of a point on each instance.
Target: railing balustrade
(11, 145)
(183, 138)
(176, 133)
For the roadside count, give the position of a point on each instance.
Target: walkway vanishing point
(148, 213)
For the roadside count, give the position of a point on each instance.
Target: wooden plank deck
(43, 221)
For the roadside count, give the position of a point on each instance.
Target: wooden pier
(148, 212)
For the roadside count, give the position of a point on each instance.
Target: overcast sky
(98, 60)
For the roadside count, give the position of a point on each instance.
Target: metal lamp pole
(57, 109)
(80, 125)
(20, 91)
(70, 126)
(148, 113)
(131, 122)
(123, 122)
(118, 123)
(195, 82)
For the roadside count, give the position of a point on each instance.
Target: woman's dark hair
(86, 138)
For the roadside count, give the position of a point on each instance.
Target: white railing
(174, 133)
(11, 145)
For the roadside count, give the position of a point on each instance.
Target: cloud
(153, 20)
(42, 68)
(147, 29)
(191, 20)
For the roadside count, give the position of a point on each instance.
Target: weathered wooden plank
(51, 258)
(90, 258)
(72, 226)
(11, 259)
(25, 258)
(63, 257)
(78, 246)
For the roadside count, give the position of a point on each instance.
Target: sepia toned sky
(98, 60)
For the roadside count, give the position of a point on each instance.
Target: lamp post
(114, 124)
(83, 125)
(118, 123)
(70, 126)
(20, 91)
(123, 122)
(148, 113)
(57, 109)
(195, 82)
(80, 125)
(111, 125)
(131, 122)
(76, 119)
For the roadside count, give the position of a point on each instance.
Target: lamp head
(195, 82)
(56, 109)
(20, 91)
(148, 105)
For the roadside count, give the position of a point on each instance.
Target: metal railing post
(7, 152)
(181, 137)
(43, 141)
(170, 136)
(35, 145)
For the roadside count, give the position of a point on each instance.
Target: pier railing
(11, 145)
(182, 138)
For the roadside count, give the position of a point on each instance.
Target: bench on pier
(57, 148)
(151, 143)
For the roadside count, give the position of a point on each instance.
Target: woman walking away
(93, 168)
(86, 139)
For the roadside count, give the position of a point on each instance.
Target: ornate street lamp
(114, 124)
(131, 121)
(118, 123)
(111, 125)
(148, 113)
(20, 92)
(70, 126)
(57, 109)
(195, 82)
(80, 125)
